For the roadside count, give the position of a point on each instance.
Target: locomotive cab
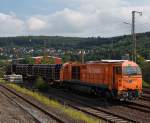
(127, 79)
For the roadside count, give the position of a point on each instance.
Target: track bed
(126, 111)
(38, 112)
(10, 112)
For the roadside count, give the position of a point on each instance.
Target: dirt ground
(11, 113)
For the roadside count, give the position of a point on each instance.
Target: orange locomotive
(117, 79)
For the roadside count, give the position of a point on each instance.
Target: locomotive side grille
(75, 72)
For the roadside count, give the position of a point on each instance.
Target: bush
(28, 60)
(41, 85)
(141, 61)
(1, 73)
(46, 60)
(146, 72)
(145, 84)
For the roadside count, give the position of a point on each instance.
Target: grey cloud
(89, 18)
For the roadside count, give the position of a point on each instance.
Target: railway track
(7, 91)
(20, 106)
(146, 94)
(91, 110)
(76, 104)
(137, 106)
(146, 90)
(96, 111)
(145, 98)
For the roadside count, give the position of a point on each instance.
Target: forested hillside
(105, 47)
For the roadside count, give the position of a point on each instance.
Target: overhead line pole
(82, 56)
(134, 54)
(133, 37)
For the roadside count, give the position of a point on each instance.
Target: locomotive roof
(123, 62)
(114, 61)
(108, 61)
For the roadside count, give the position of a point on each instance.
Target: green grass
(146, 84)
(74, 114)
(2, 80)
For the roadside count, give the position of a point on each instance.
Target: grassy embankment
(76, 115)
(146, 84)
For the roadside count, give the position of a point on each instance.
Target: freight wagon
(49, 73)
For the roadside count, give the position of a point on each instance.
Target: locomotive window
(118, 70)
(130, 70)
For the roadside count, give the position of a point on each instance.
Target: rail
(51, 115)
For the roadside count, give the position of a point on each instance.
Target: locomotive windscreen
(131, 70)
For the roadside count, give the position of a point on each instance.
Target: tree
(29, 60)
(141, 61)
(66, 57)
(146, 72)
(47, 60)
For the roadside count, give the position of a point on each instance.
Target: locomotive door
(75, 72)
(116, 75)
(114, 78)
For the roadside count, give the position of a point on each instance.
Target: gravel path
(11, 113)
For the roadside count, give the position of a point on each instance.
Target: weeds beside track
(5, 92)
(75, 114)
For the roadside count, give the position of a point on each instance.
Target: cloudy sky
(72, 17)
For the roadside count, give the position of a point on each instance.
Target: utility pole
(131, 39)
(44, 48)
(82, 56)
(134, 54)
(44, 51)
(12, 52)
